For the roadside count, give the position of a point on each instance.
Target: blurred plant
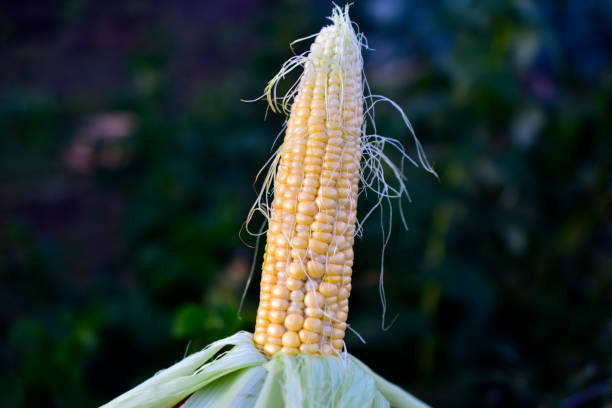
(503, 287)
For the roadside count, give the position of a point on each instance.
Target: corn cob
(306, 277)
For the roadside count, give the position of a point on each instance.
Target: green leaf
(243, 377)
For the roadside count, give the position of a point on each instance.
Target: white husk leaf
(243, 377)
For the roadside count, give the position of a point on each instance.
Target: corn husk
(232, 372)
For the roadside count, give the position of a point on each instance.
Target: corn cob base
(243, 377)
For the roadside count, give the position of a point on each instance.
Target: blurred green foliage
(127, 162)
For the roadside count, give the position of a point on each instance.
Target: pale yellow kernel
(343, 293)
(281, 253)
(294, 284)
(320, 136)
(339, 242)
(303, 219)
(280, 240)
(297, 253)
(307, 208)
(327, 349)
(275, 330)
(343, 303)
(309, 348)
(313, 160)
(260, 338)
(332, 164)
(335, 279)
(312, 182)
(291, 339)
(331, 300)
(268, 278)
(271, 348)
(338, 344)
(344, 183)
(268, 267)
(314, 299)
(315, 269)
(279, 304)
(336, 141)
(325, 237)
(313, 324)
(311, 286)
(311, 169)
(322, 259)
(289, 205)
(280, 291)
(332, 309)
(314, 151)
(294, 322)
(296, 270)
(313, 312)
(276, 316)
(291, 351)
(342, 215)
(326, 204)
(295, 307)
(337, 334)
(334, 269)
(337, 258)
(317, 246)
(342, 316)
(273, 340)
(329, 192)
(344, 227)
(325, 218)
(288, 220)
(349, 231)
(340, 325)
(319, 226)
(299, 243)
(327, 289)
(308, 337)
(349, 166)
(296, 296)
(302, 230)
(275, 227)
(294, 180)
(344, 192)
(329, 177)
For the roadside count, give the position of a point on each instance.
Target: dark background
(126, 168)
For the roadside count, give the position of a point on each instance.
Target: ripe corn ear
(306, 277)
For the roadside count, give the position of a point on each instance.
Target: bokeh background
(127, 163)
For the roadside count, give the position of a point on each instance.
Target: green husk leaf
(238, 389)
(315, 381)
(243, 377)
(170, 386)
